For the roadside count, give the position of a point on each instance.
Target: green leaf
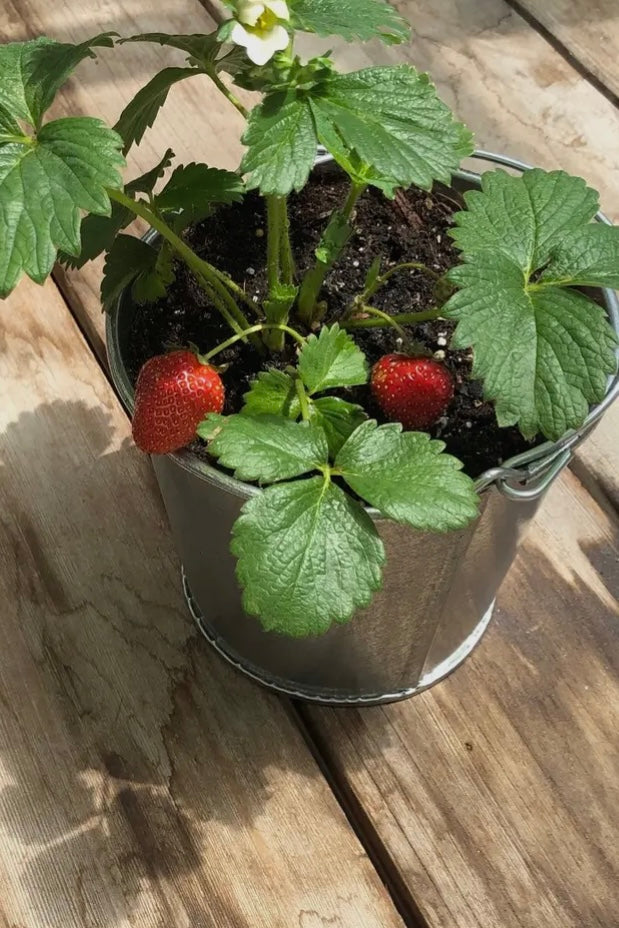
(202, 50)
(331, 359)
(268, 448)
(358, 171)
(544, 355)
(544, 351)
(152, 283)
(140, 114)
(280, 302)
(372, 275)
(98, 233)
(44, 183)
(132, 261)
(272, 392)
(194, 189)
(309, 556)
(9, 127)
(406, 477)
(523, 217)
(338, 418)
(281, 144)
(588, 256)
(352, 19)
(145, 183)
(394, 121)
(31, 73)
(334, 238)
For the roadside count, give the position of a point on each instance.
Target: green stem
(273, 242)
(234, 287)
(303, 403)
(252, 330)
(407, 266)
(390, 320)
(315, 277)
(205, 272)
(236, 103)
(400, 319)
(286, 257)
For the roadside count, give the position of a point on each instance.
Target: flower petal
(249, 11)
(279, 7)
(262, 46)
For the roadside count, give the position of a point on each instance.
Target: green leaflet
(31, 73)
(543, 350)
(148, 268)
(44, 184)
(352, 19)
(140, 114)
(331, 359)
(267, 448)
(308, 556)
(338, 418)
(272, 392)
(392, 118)
(281, 144)
(98, 233)
(406, 477)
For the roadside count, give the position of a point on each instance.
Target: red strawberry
(173, 394)
(413, 391)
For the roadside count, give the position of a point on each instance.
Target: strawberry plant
(309, 554)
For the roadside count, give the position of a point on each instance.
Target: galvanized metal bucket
(439, 590)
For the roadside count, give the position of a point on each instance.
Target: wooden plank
(588, 30)
(495, 794)
(143, 784)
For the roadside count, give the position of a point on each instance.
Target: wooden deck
(143, 784)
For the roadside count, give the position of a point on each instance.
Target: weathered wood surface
(143, 784)
(520, 830)
(496, 794)
(587, 29)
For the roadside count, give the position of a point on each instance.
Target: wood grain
(142, 783)
(587, 29)
(496, 794)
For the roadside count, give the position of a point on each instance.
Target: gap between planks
(570, 56)
(359, 819)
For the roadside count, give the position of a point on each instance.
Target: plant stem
(286, 257)
(407, 266)
(400, 319)
(252, 330)
(205, 272)
(236, 103)
(315, 277)
(389, 320)
(303, 403)
(273, 242)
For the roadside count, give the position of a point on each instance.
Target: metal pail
(438, 591)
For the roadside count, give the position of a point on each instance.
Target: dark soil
(411, 229)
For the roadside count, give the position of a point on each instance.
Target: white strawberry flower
(258, 28)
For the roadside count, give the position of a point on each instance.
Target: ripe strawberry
(173, 394)
(413, 391)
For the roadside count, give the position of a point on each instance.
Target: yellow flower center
(266, 21)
